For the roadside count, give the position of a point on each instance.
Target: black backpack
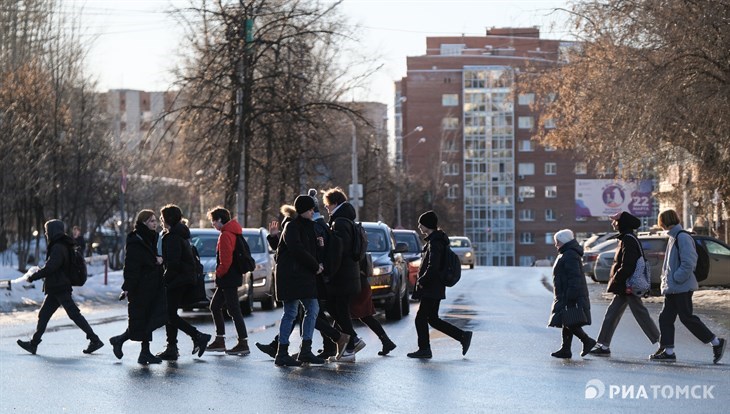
(196, 259)
(451, 272)
(360, 242)
(77, 272)
(242, 256)
(702, 270)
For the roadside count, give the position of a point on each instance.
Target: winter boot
(283, 359)
(270, 348)
(388, 345)
(200, 343)
(170, 353)
(329, 349)
(240, 349)
(466, 342)
(218, 344)
(146, 357)
(421, 353)
(117, 342)
(94, 344)
(588, 344)
(306, 355)
(564, 351)
(30, 346)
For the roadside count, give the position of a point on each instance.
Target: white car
(463, 248)
(263, 275)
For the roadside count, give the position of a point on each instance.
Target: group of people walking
(678, 282)
(319, 279)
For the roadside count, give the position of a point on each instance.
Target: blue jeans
(311, 310)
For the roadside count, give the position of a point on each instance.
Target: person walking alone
(431, 291)
(143, 287)
(228, 278)
(57, 288)
(678, 285)
(570, 291)
(625, 260)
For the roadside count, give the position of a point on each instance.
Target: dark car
(390, 270)
(413, 255)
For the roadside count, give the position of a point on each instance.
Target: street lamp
(199, 174)
(420, 141)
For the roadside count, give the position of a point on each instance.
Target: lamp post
(401, 170)
(199, 174)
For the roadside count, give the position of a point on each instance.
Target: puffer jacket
(296, 261)
(678, 275)
(178, 257)
(569, 284)
(429, 283)
(624, 263)
(345, 280)
(58, 260)
(227, 274)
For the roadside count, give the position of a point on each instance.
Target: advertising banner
(600, 198)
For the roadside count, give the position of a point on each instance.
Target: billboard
(599, 198)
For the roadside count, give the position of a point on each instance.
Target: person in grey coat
(678, 284)
(570, 290)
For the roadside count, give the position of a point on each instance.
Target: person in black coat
(57, 287)
(343, 282)
(625, 261)
(570, 290)
(430, 290)
(179, 275)
(296, 270)
(143, 288)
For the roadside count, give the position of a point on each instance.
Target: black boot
(270, 348)
(564, 351)
(200, 343)
(388, 345)
(94, 344)
(306, 355)
(424, 353)
(30, 346)
(146, 357)
(283, 359)
(117, 342)
(329, 348)
(170, 353)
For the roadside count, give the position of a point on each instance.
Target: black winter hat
(54, 228)
(626, 220)
(429, 220)
(303, 203)
(313, 193)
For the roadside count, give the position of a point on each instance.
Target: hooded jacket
(429, 283)
(345, 278)
(178, 257)
(569, 283)
(296, 261)
(678, 275)
(58, 259)
(226, 272)
(624, 262)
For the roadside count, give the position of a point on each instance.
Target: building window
(525, 98)
(449, 145)
(581, 168)
(525, 122)
(551, 168)
(549, 238)
(549, 123)
(527, 215)
(551, 191)
(527, 260)
(526, 145)
(449, 123)
(550, 215)
(450, 99)
(452, 191)
(451, 49)
(526, 191)
(450, 169)
(526, 238)
(526, 168)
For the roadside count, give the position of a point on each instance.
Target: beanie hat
(313, 193)
(564, 236)
(626, 220)
(303, 203)
(429, 220)
(54, 228)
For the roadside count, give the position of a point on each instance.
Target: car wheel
(471, 266)
(269, 303)
(394, 311)
(405, 304)
(247, 305)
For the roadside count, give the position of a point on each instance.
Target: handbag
(573, 315)
(640, 280)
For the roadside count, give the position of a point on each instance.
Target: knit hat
(429, 220)
(626, 220)
(54, 228)
(303, 203)
(313, 193)
(564, 236)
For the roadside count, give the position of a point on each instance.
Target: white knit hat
(564, 236)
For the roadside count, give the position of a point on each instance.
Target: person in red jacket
(228, 278)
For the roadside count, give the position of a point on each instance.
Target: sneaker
(600, 351)
(587, 346)
(241, 348)
(28, 346)
(718, 350)
(347, 356)
(421, 353)
(200, 343)
(466, 342)
(218, 345)
(662, 355)
(359, 345)
(93, 346)
(342, 344)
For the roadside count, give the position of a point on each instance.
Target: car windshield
(410, 239)
(254, 242)
(205, 243)
(377, 241)
(460, 243)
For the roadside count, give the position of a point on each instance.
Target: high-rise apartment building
(463, 134)
(135, 117)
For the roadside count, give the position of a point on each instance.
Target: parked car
(413, 255)
(463, 248)
(390, 270)
(263, 275)
(655, 247)
(595, 239)
(591, 255)
(205, 240)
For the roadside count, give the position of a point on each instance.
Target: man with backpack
(233, 260)
(57, 282)
(678, 284)
(430, 289)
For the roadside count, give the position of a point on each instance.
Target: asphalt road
(508, 369)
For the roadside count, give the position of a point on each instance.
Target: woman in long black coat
(571, 291)
(143, 288)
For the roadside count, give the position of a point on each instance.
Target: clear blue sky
(135, 42)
